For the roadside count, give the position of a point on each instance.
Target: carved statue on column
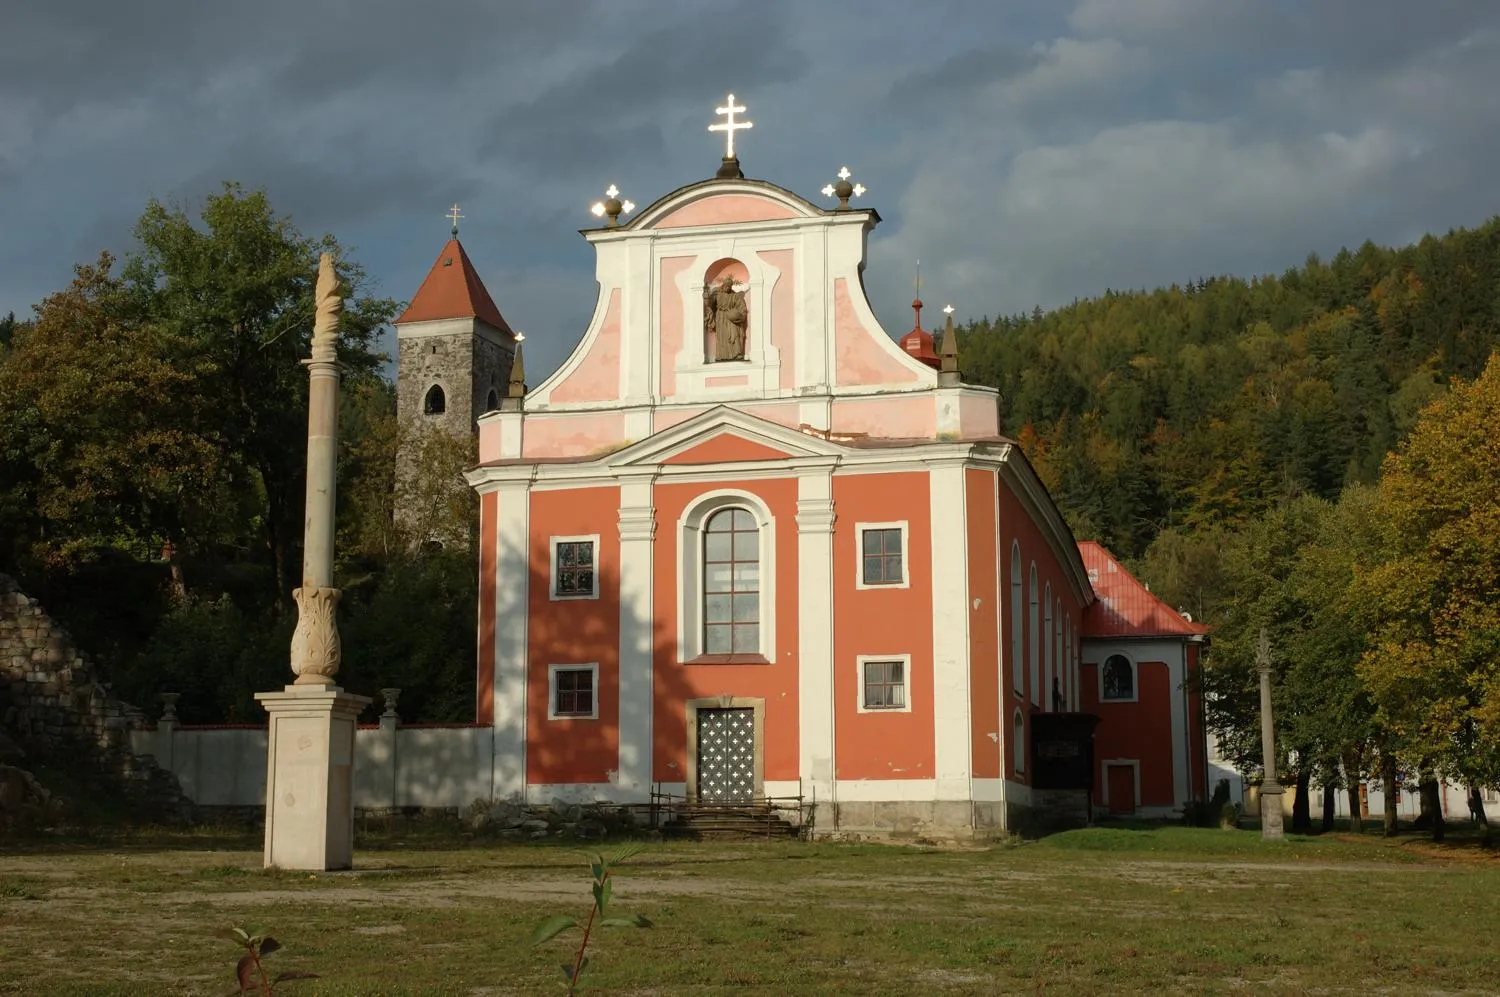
(725, 315)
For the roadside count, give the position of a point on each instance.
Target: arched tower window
(492, 400)
(1034, 637)
(434, 402)
(1017, 645)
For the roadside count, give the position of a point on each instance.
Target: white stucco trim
(988, 790)
(690, 643)
(592, 667)
(952, 717)
(637, 525)
(512, 612)
(552, 542)
(815, 697)
(859, 682)
(859, 555)
(1135, 766)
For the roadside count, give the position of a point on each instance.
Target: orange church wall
(1016, 524)
(783, 325)
(860, 360)
(1139, 730)
(670, 328)
(583, 631)
(725, 209)
(676, 682)
(597, 376)
(876, 621)
(484, 687)
(984, 634)
(725, 447)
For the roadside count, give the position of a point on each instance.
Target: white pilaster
(637, 545)
(815, 710)
(1176, 659)
(512, 584)
(950, 632)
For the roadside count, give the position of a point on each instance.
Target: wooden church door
(726, 755)
(1121, 785)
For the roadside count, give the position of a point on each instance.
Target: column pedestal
(310, 776)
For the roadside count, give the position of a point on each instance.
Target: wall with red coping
(882, 745)
(573, 632)
(675, 682)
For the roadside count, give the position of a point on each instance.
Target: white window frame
(552, 543)
(1018, 737)
(593, 668)
(1135, 677)
(690, 643)
(1017, 621)
(859, 556)
(859, 674)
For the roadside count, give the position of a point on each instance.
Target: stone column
(310, 743)
(1270, 789)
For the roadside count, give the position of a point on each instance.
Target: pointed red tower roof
(453, 290)
(1126, 608)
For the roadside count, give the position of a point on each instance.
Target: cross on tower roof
(454, 215)
(730, 168)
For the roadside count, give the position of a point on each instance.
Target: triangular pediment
(723, 435)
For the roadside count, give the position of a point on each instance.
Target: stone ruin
(52, 705)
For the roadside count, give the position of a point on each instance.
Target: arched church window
(1118, 678)
(435, 402)
(1049, 657)
(1059, 663)
(731, 583)
(1035, 639)
(1017, 644)
(1018, 741)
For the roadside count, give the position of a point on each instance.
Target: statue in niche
(725, 314)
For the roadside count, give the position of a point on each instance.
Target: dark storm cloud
(1029, 152)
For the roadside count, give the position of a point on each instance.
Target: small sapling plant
(250, 972)
(603, 870)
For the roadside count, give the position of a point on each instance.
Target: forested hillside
(1200, 405)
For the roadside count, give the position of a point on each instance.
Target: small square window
(884, 685)
(882, 555)
(573, 568)
(573, 692)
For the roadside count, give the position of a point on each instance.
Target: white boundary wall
(393, 766)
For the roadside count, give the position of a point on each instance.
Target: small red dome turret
(918, 343)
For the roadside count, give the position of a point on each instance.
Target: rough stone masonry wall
(52, 704)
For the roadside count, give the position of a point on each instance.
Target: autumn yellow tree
(1433, 605)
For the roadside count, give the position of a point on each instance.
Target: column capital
(815, 516)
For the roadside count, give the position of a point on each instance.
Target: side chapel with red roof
(743, 544)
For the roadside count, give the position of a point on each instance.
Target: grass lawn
(1099, 911)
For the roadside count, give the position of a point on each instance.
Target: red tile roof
(1125, 607)
(453, 290)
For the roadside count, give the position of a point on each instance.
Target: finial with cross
(730, 168)
(454, 215)
(843, 190)
(612, 207)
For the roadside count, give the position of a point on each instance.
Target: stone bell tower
(454, 356)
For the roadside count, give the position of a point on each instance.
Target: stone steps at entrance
(741, 821)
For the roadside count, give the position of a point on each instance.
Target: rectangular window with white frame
(573, 692)
(575, 563)
(884, 683)
(881, 554)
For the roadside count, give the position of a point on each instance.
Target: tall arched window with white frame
(1034, 637)
(1018, 741)
(1055, 686)
(731, 583)
(1017, 644)
(1068, 664)
(1049, 652)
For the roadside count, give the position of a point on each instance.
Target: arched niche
(738, 275)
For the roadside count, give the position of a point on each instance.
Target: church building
(745, 544)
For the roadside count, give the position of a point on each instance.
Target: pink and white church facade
(802, 563)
